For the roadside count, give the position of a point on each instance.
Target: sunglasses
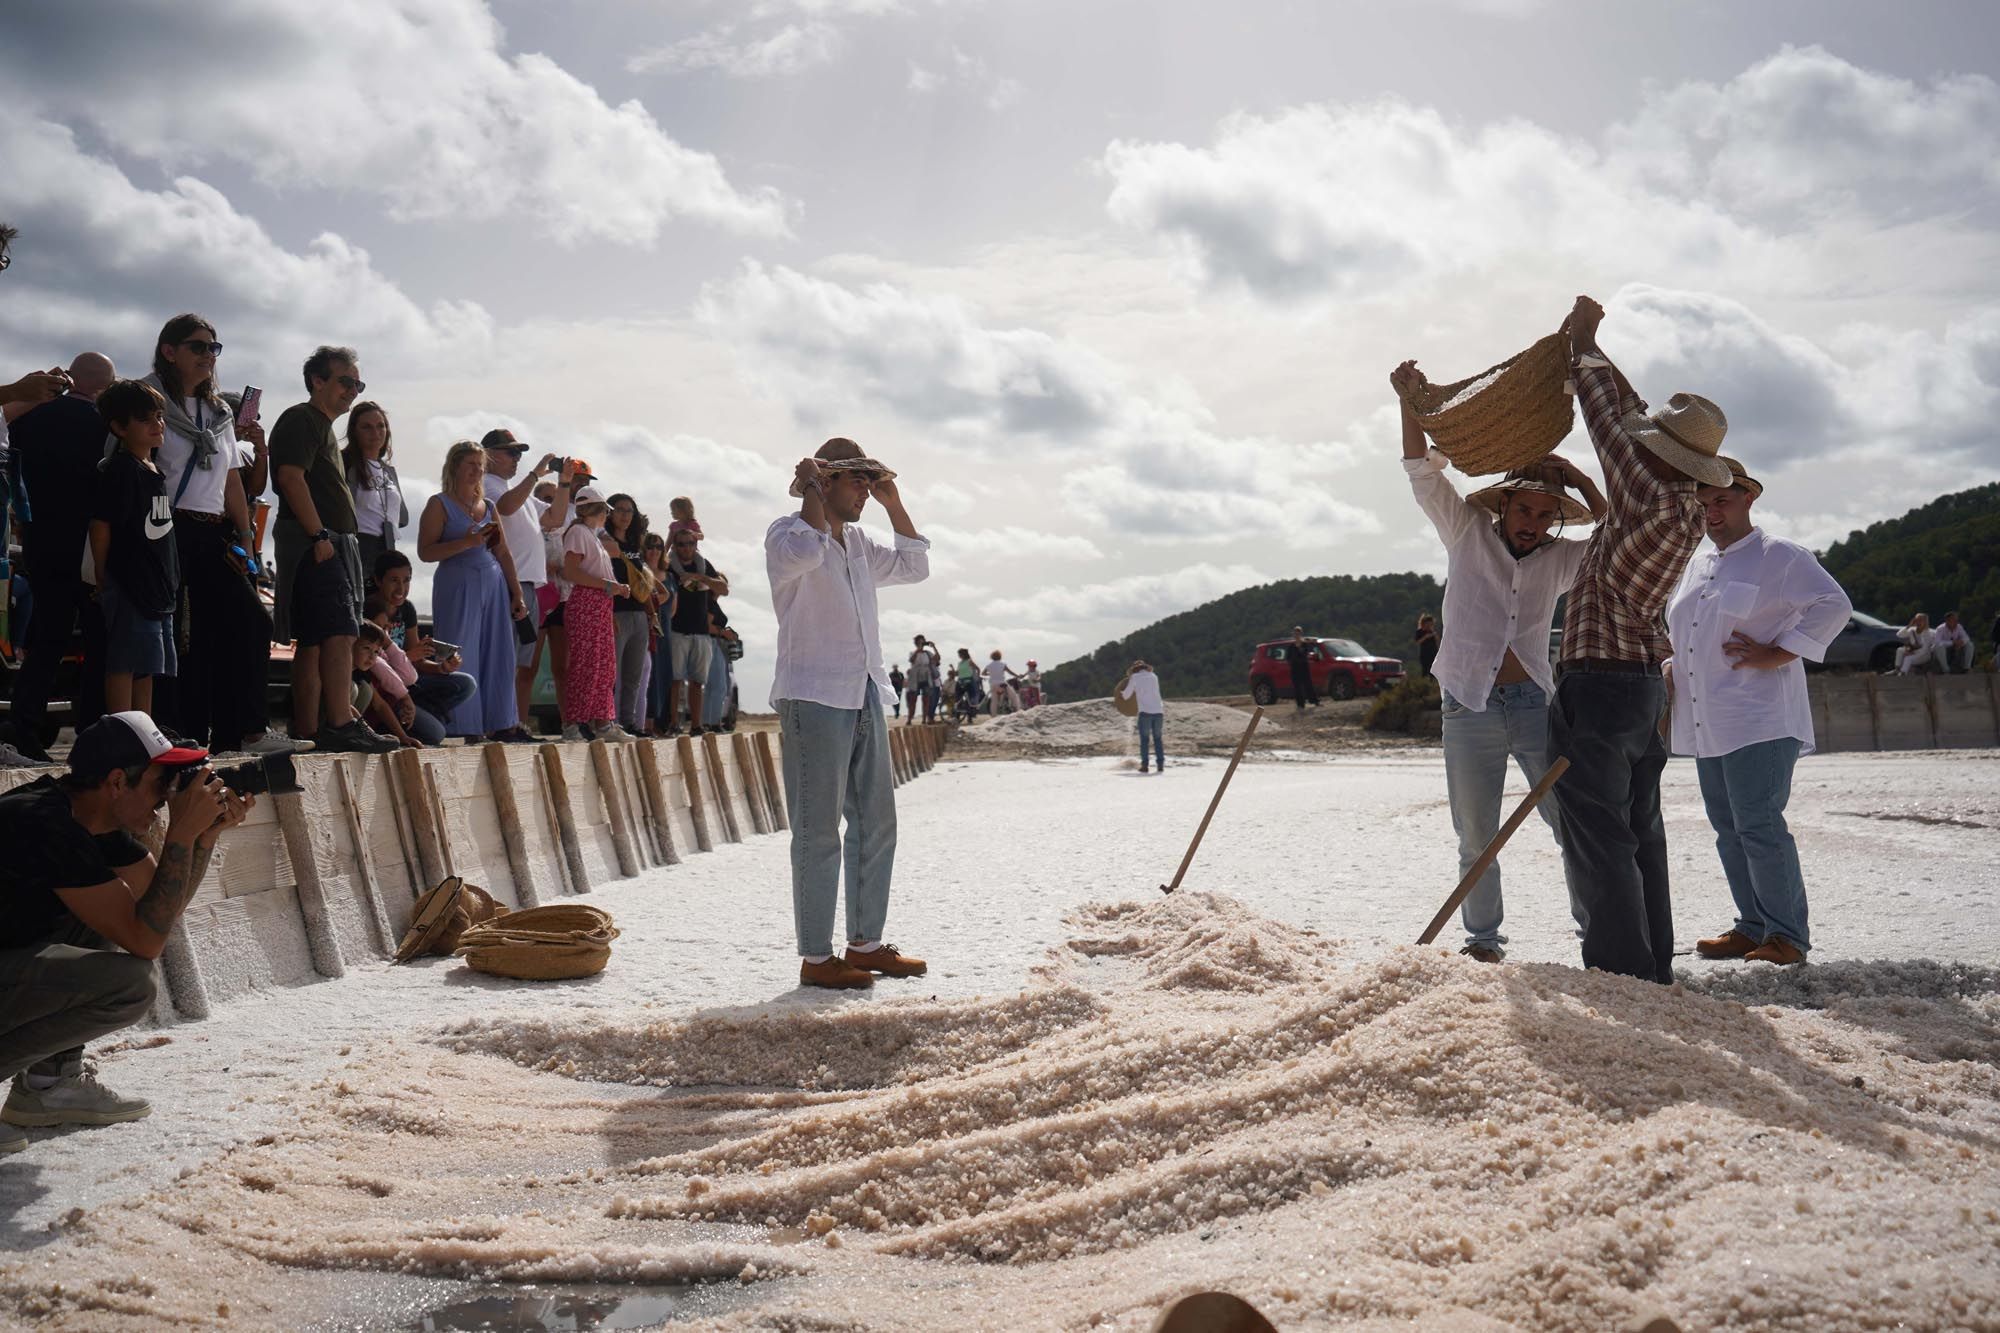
(347, 382)
(5, 261)
(203, 345)
(679, 544)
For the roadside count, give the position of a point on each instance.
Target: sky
(1115, 285)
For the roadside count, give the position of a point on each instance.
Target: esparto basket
(1505, 417)
(552, 943)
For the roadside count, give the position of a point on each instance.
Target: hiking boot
(834, 974)
(887, 961)
(1777, 949)
(76, 1099)
(610, 731)
(1485, 953)
(1729, 944)
(355, 737)
(11, 1138)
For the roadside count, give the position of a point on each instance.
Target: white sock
(864, 946)
(41, 1082)
(816, 958)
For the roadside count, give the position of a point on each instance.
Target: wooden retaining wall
(1929, 712)
(317, 881)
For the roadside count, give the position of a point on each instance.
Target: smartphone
(553, 463)
(442, 651)
(246, 411)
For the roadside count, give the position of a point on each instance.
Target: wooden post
(718, 782)
(552, 770)
(768, 766)
(614, 808)
(1557, 768)
(364, 862)
(182, 970)
(656, 800)
(408, 767)
(684, 750)
(320, 938)
(1874, 714)
(753, 783)
(437, 813)
(406, 834)
(565, 884)
(926, 747)
(512, 832)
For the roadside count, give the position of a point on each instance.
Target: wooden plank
(697, 808)
(768, 766)
(414, 797)
(443, 826)
(614, 808)
(648, 754)
(554, 826)
(320, 938)
(644, 831)
(364, 861)
(718, 785)
(512, 833)
(552, 773)
(406, 835)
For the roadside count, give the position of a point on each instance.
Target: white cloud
(788, 49)
(416, 105)
(1134, 599)
(961, 69)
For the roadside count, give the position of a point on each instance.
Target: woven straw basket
(542, 943)
(442, 915)
(1129, 707)
(1509, 422)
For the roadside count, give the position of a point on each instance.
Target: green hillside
(1207, 650)
(1942, 557)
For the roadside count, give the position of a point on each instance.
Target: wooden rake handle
(1215, 800)
(1492, 852)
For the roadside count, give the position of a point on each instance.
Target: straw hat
(1743, 479)
(1493, 498)
(846, 456)
(1686, 434)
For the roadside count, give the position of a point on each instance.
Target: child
(371, 700)
(392, 674)
(440, 686)
(589, 696)
(682, 510)
(132, 546)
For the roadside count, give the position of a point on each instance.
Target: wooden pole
(564, 883)
(437, 813)
(364, 861)
(512, 832)
(718, 782)
(753, 783)
(1221, 787)
(552, 769)
(321, 941)
(415, 800)
(614, 809)
(656, 801)
(691, 778)
(1487, 857)
(769, 767)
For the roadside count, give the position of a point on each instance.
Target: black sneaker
(28, 748)
(513, 736)
(355, 737)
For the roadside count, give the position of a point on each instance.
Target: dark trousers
(222, 693)
(1302, 689)
(1614, 844)
(68, 989)
(61, 597)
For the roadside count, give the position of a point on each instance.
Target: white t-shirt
(1145, 687)
(996, 675)
(582, 539)
(523, 531)
(378, 506)
(206, 488)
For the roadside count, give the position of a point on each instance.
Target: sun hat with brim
(1742, 478)
(126, 740)
(1686, 434)
(846, 456)
(589, 495)
(1494, 498)
(502, 439)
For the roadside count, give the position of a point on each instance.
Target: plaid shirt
(1617, 605)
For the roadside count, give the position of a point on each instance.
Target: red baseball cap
(123, 740)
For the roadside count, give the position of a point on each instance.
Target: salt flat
(1100, 1098)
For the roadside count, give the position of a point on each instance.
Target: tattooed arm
(139, 919)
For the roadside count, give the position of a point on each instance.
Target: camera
(254, 777)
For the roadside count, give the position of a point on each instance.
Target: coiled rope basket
(550, 943)
(1505, 417)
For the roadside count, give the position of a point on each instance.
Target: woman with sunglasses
(219, 696)
(653, 556)
(379, 509)
(475, 597)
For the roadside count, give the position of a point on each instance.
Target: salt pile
(1094, 722)
(1186, 1096)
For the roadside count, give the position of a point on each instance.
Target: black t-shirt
(132, 498)
(48, 850)
(56, 448)
(691, 614)
(632, 559)
(303, 438)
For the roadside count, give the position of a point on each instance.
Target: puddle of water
(570, 1309)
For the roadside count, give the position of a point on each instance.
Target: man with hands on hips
(828, 691)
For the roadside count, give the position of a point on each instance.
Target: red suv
(1341, 669)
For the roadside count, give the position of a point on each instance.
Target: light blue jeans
(1153, 725)
(837, 762)
(1746, 792)
(1476, 749)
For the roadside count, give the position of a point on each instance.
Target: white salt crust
(1091, 722)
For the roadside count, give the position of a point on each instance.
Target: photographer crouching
(78, 887)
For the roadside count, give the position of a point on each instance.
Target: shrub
(1397, 709)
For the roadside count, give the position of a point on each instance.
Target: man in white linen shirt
(1142, 686)
(1745, 613)
(1503, 577)
(524, 518)
(828, 690)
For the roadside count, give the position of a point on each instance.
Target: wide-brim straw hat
(846, 456)
(1742, 478)
(1686, 435)
(1493, 499)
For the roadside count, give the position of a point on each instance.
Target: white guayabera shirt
(823, 591)
(1492, 602)
(1774, 591)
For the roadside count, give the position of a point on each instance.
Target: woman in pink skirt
(589, 694)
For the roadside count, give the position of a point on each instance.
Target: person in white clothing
(1954, 645)
(1919, 648)
(1745, 613)
(1142, 686)
(526, 520)
(1505, 572)
(828, 690)
(1000, 680)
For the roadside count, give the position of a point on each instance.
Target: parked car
(1341, 669)
(1867, 644)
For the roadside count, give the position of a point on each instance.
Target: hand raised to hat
(1559, 471)
(885, 492)
(810, 474)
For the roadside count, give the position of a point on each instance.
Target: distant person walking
(828, 689)
(1143, 686)
(1745, 614)
(925, 663)
(897, 685)
(1426, 637)
(1299, 658)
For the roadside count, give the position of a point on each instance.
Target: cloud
(789, 49)
(634, 458)
(447, 126)
(960, 69)
(1134, 599)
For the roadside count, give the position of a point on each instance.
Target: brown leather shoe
(887, 961)
(834, 975)
(1485, 953)
(1729, 944)
(1777, 950)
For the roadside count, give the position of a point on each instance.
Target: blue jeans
(715, 694)
(663, 676)
(837, 763)
(1152, 724)
(1476, 749)
(1746, 792)
(435, 697)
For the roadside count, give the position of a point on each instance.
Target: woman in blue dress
(475, 599)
